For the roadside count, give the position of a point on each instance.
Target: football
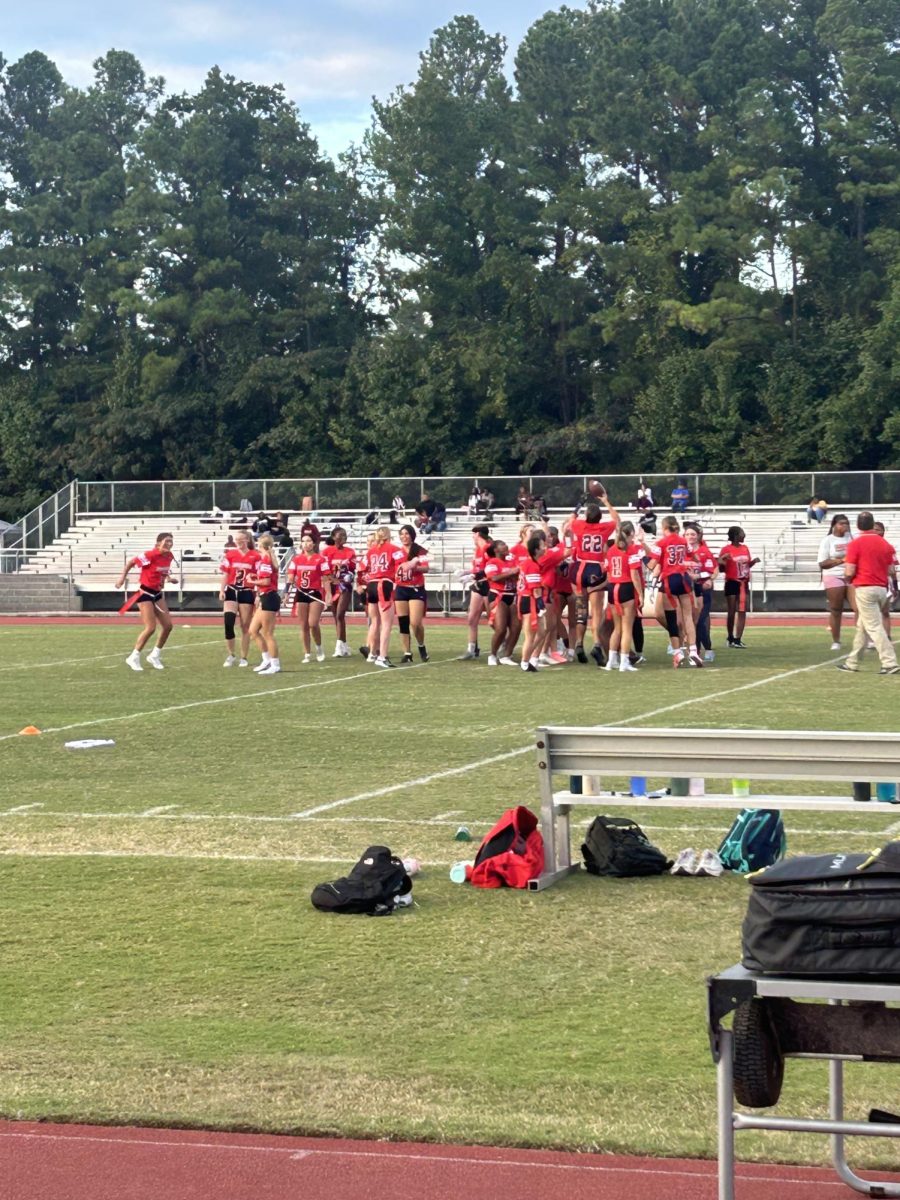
(596, 488)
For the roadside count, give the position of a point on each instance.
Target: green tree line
(670, 241)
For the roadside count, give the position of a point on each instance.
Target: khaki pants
(868, 603)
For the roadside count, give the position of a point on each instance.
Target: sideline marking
(21, 808)
(484, 762)
(159, 810)
(297, 687)
(438, 1158)
(65, 662)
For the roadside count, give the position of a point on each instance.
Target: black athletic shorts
(149, 597)
(733, 586)
(372, 588)
(621, 592)
(589, 575)
(480, 587)
(410, 593)
(270, 602)
(309, 596)
(525, 605)
(239, 595)
(677, 585)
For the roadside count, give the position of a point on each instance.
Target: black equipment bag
(826, 915)
(618, 846)
(371, 887)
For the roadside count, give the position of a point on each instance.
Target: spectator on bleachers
(681, 497)
(278, 527)
(261, 524)
(474, 501)
(529, 507)
(313, 530)
(398, 510)
(230, 544)
(816, 511)
(432, 515)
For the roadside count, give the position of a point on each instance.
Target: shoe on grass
(685, 863)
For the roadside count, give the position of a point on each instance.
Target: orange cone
(30, 729)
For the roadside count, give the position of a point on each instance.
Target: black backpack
(372, 887)
(618, 846)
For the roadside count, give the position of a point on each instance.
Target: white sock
(524, 664)
(471, 646)
(613, 658)
(275, 662)
(266, 657)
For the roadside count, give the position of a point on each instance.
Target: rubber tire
(758, 1061)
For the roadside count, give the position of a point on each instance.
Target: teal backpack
(755, 840)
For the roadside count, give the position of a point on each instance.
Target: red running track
(80, 1162)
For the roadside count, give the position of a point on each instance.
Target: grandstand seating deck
(95, 548)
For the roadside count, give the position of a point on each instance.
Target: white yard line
(372, 673)
(65, 662)
(484, 762)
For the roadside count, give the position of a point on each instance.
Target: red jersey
(705, 561)
(380, 562)
(155, 566)
(737, 562)
(480, 556)
(549, 563)
(237, 566)
(671, 553)
(871, 555)
(529, 578)
(265, 575)
(493, 567)
(412, 573)
(620, 564)
(562, 583)
(341, 565)
(306, 571)
(589, 541)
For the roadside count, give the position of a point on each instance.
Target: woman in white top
(832, 551)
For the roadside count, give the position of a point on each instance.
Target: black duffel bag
(825, 915)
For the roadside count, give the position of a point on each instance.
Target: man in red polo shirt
(869, 562)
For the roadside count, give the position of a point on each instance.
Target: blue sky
(332, 57)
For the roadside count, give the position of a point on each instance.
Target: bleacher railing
(730, 489)
(42, 525)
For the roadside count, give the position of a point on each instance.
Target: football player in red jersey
(238, 596)
(307, 571)
(677, 588)
(410, 597)
(705, 571)
(561, 640)
(262, 627)
(342, 569)
(479, 591)
(736, 563)
(590, 536)
(501, 570)
(155, 566)
(626, 595)
(379, 566)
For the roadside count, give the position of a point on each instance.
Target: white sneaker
(320, 655)
(373, 658)
(338, 650)
(155, 661)
(346, 652)
(243, 663)
(506, 661)
(677, 658)
(229, 661)
(383, 662)
(470, 654)
(544, 660)
(694, 659)
(670, 649)
(492, 660)
(686, 863)
(570, 654)
(709, 656)
(262, 666)
(404, 901)
(134, 661)
(274, 668)
(835, 645)
(709, 864)
(307, 658)
(626, 665)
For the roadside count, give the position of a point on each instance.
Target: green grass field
(161, 962)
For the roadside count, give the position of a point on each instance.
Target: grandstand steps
(47, 594)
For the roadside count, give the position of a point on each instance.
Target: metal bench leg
(838, 1152)
(725, 1101)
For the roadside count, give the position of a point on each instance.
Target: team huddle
(596, 573)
